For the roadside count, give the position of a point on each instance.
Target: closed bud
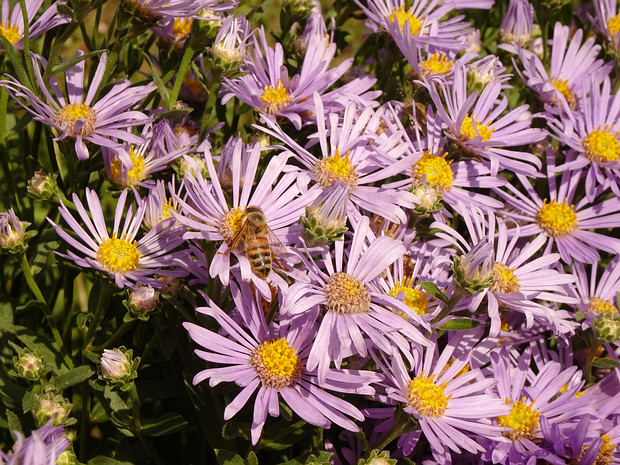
(429, 197)
(608, 326)
(376, 458)
(42, 186)
(118, 365)
(474, 270)
(143, 300)
(28, 365)
(13, 233)
(326, 217)
(50, 406)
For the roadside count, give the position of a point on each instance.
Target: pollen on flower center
(335, 168)
(557, 219)
(504, 279)
(428, 398)
(277, 364)
(118, 255)
(437, 63)
(563, 87)
(346, 294)
(10, 31)
(415, 299)
(602, 146)
(401, 16)
(436, 169)
(166, 209)
(523, 420)
(275, 98)
(123, 177)
(600, 306)
(231, 224)
(613, 25)
(471, 128)
(606, 453)
(181, 27)
(69, 116)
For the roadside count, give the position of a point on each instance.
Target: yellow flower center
(602, 146)
(346, 294)
(10, 31)
(557, 219)
(415, 299)
(613, 25)
(231, 224)
(68, 116)
(275, 98)
(166, 209)
(563, 87)
(437, 63)
(522, 419)
(471, 128)
(277, 364)
(504, 279)
(428, 398)
(181, 27)
(335, 168)
(436, 169)
(127, 178)
(401, 17)
(118, 255)
(600, 306)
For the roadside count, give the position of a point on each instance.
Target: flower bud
(143, 300)
(474, 270)
(28, 365)
(50, 406)
(228, 50)
(13, 233)
(429, 197)
(115, 366)
(42, 186)
(608, 326)
(326, 217)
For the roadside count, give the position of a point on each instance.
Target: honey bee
(257, 241)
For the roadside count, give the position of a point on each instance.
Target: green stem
(186, 61)
(591, 354)
(402, 424)
(84, 423)
(102, 305)
(457, 295)
(32, 284)
(115, 337)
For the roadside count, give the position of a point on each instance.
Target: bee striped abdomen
(258, 253)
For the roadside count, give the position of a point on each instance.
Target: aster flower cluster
(227, 242)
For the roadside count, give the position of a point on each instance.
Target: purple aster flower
(127, 260)
(424, 21)
(42, 447)
(79, 117)
(357, 316)
(355, 156)
(594, 133)
(517, 23)
(563, 222)
(267, 86)
(452, 403)
(520, 279)
(207, 209)
(160, 201)
(273, 364)
(532, 397)
(597, 294)
(607, 21)
(12, 24)
(158, 9)
(571, 65)
(478, 125)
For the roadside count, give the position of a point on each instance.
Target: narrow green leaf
(460, 324)
(14, 423)
(165, 424)
(605, 363)
(433, 290)
(73, 377)
(65, 65)
(17, 61)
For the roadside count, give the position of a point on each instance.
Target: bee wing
(239, 238)
(277, 248)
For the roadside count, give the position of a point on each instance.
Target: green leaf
(165, 424)
(17, 61)
(433, 290)
(605, 363)
(103, 460)
(226, 457)
(460, 324)
(46, 245)
(14, 423)
(252, 458)
(73, 377)
(161, 84)
(65, 65)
